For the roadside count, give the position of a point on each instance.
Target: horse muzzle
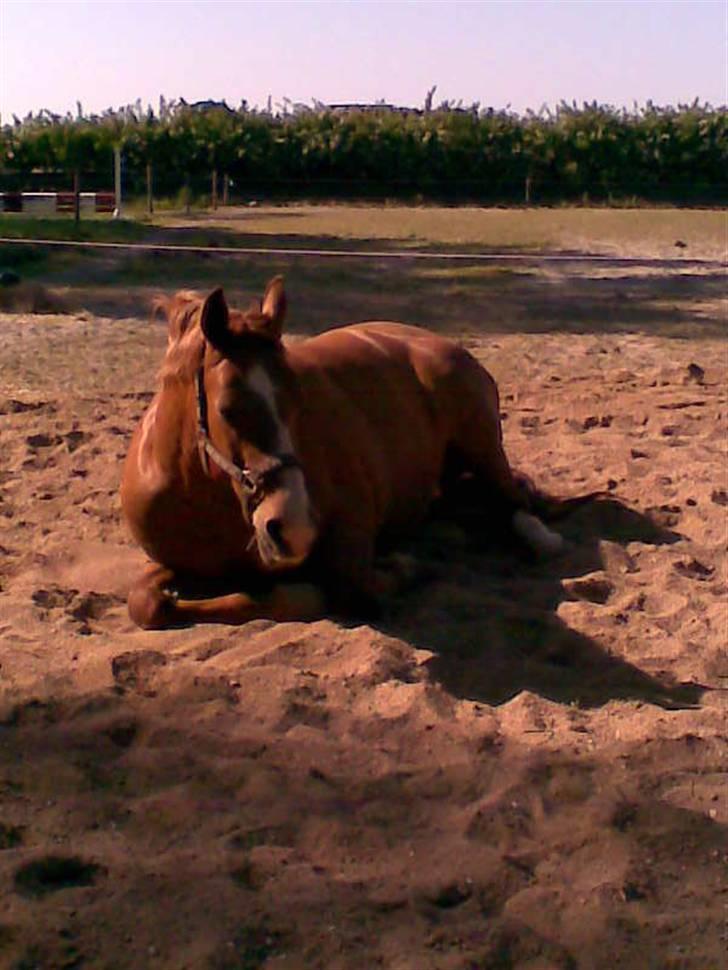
(285, 527)
(283, 546)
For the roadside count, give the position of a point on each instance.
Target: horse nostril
(274, 528)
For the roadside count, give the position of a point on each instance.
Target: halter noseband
(254, 483)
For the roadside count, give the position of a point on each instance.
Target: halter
(255, 484)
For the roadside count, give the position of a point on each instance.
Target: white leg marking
(534, 532)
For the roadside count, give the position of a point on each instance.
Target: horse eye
(230, 411)
(238, 407)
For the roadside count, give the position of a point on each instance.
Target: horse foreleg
(151, 600)
(153, 604)
(287, 602)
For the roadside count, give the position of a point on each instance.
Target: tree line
(590, 152)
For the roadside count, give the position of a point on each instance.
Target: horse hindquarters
(476, 443)
(476, 449)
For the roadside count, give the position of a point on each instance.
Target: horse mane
(185, 339)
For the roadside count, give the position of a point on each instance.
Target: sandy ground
(522, 767)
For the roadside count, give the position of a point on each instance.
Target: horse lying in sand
(267, 474)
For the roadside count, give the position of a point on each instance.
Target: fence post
(150, 197)
(214, 188)
(76, 197)
(527, 193)
(117, 182)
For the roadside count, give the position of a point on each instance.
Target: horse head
(246, 399)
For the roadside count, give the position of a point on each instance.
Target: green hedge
(596, 152)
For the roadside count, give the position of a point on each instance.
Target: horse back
(382, 402)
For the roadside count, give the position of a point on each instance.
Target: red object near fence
(63, 202)
(105, 202)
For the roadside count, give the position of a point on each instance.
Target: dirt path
(522, 767)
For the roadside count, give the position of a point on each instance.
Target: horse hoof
(151, 609)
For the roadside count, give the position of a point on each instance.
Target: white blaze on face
(532, 530)
(290, 503)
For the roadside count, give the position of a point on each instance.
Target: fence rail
(202, 189)
(560, 257)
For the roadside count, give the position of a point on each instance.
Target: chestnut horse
(265, 474)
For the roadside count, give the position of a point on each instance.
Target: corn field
(589, 153)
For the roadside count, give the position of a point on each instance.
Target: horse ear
(215, 321)
(273, 308)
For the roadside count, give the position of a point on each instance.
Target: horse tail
(548, 507)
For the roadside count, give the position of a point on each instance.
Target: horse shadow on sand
(489, 614)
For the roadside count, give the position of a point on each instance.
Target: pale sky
(517, 53)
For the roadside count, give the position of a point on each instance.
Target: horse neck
(175, 424)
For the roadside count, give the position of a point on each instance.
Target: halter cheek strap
(254, 483)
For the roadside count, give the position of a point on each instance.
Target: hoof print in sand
(251, 946)
(695, 374)
(604, 421)
(304, 705)
(75, 439)
(79, 608)
(448, 895)
(693, 569)
(12, 406)
(11, 836)
(93, 606)
(247, 876)
(278, 835)
(122, 733)
(594, 588)
(55, 597)
(137, 670)
(54, 873)
(665, 516)
(42, 440)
